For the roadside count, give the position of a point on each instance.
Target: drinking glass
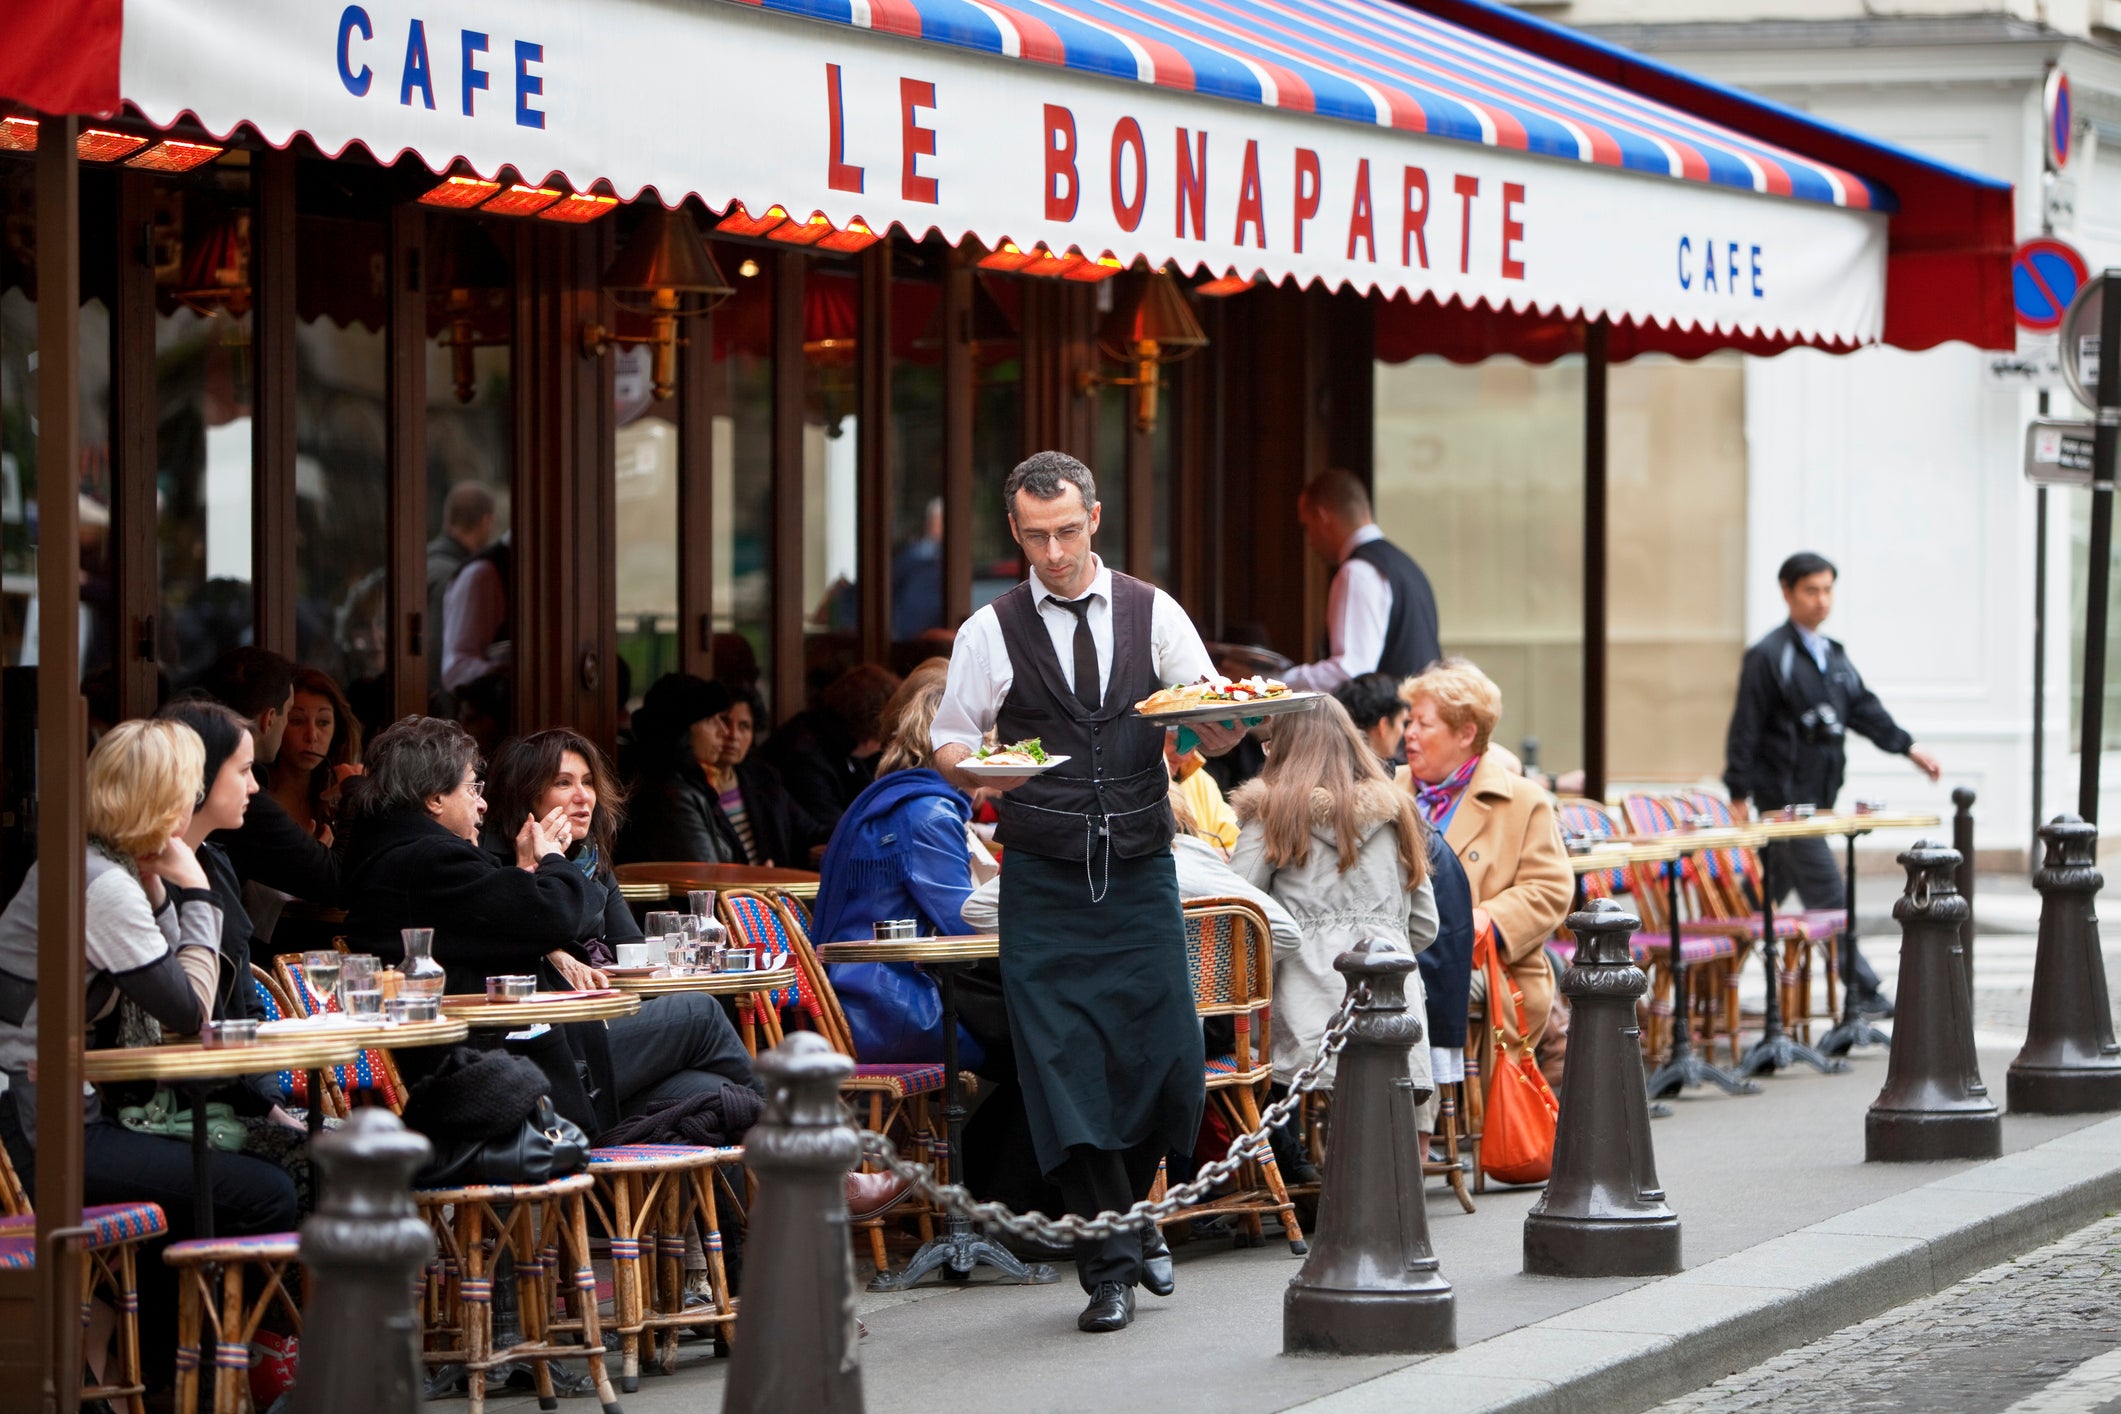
(321, 971)
(357, 972)
(702, 901)
(363, 1002)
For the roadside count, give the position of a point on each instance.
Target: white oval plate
(987, 768)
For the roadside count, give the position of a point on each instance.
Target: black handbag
(543, 1147)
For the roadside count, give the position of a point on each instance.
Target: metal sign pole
(2100, 549)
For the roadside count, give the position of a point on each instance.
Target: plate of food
(1221, 699)
(1022, 758)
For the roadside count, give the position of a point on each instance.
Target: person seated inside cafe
(152, 961)
(321, 748)
(771, 825)
(270, 849)
(676, 809)
(827, 754)
(411, 832)
(678, 1047)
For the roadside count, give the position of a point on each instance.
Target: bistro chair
(275, 1004)
(226, 1287)
(1230, 956)
(647, 1198)
(892, 1097)
(109, 1269)
(372, 1070)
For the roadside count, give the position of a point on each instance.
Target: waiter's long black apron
(1093, 953)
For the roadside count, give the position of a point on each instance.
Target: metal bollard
(2070, 1064)
(1934, 1105)
(1370, 1285)
(796, 1337)
(1603, 1213)
(364, 1247)
(1963, 841)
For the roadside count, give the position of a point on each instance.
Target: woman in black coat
(699, 799)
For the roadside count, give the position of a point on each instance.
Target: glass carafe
(423, 975)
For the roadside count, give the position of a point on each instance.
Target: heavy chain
(1057, 1232)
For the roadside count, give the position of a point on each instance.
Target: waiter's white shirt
(1358, 607)
(981, 674)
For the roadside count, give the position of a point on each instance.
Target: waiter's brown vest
(1115, 787)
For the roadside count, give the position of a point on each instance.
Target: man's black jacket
(1767, 759)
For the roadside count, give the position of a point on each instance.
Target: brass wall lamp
(1150, 325)
(666, 274)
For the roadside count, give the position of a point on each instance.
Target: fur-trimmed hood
(1377, 803)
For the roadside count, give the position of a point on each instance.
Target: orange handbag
(1517, 1143)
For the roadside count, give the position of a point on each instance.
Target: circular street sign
(2080, 342)
(2045, 276)
(2055, 104)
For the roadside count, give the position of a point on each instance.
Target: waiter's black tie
(1085, 653)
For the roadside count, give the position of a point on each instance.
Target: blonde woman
(153, 936)
(1500, 825)
(1324, 831)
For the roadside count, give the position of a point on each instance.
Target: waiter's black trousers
(1098, 1180)
(1808, 867)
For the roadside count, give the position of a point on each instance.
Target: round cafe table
(538, 1009)
(378, 1035)
(195, 1070)
(717, 984)
(682, 877)
(957, 1246)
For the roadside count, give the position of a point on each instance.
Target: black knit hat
(475, 1095)
(674, 702)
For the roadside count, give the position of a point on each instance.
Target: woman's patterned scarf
(1436, 800)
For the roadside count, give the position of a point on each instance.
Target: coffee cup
(632, 954)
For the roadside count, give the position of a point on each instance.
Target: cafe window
(470, 463)
(342, 472)
(997, 431)
(742, 399)
(205, 379)
(831, 439)
(918, 335)
(645, 507)
(1479, 476)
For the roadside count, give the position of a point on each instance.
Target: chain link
(1059, 1232)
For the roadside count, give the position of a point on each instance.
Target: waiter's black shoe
(1157, 1274)
(1111, 1308)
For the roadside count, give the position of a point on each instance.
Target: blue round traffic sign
(2045, 276)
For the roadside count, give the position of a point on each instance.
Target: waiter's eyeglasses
(1067, 535)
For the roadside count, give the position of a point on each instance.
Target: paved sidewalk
(2038, 1333)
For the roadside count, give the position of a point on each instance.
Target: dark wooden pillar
(565, 550)
(136, 558)
(874, 495)
(1059, 346)
(273, 529)
(960, 399)
(1594, 559)
(696, 499)
(412, 638)
(62, 732)
(787, 575)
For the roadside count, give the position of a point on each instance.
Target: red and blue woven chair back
(758, 924)
(369, 1071)
(1739, 864)
(294, 1084)
(1590, 819)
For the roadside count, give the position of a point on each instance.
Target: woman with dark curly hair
(320, 750)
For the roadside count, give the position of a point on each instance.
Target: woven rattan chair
(109, 1269)
(647, 1197)
(1230, 956)
(226, 1287)
(372, 1070)
(892, 1098)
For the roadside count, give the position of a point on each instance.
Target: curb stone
(1670, 1337)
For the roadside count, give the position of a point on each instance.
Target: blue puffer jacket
(899, 852)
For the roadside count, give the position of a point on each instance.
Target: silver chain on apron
(1092, 830)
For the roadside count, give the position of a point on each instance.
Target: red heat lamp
(665, 273)
(1150, 325)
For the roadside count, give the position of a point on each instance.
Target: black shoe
(1111, 1308)
(1876, 1004)
(1157, 1274)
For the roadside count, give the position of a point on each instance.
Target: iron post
(1963, 841)
(2070, 1063)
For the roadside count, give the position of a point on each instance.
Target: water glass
(321, 971)
(702, 901)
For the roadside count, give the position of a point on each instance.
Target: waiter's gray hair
(1044, 474)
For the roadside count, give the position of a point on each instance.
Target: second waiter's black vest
(1410, 630)
(1114, 789)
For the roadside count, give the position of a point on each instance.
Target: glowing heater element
(855, 236)
(740, 222)
(170, 155)
(1224, 285)
(520, 200)
(1092, 271)
(103, 145)
(578, 208)
(801, 232)
(18, 134)
(459, 193)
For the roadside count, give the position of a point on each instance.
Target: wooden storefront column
(960, 399)
(62, 741)
(137, 559)
(1058, 344)
(789, 368)
(696, 499)
(566, 586)
(874, 493)
(412, 638)
(1594, 559)
(274, 534)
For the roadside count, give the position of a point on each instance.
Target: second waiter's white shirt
(1358, 610)
(981, 673)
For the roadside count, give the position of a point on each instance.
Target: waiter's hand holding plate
(1004, 768)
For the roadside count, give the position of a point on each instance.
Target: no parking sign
(2045, 276)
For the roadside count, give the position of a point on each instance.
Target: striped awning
(1361, 61)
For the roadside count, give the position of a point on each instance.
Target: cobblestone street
(2036, 1336)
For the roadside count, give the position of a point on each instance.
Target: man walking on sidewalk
(1798, 698)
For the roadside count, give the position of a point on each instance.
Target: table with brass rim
(539, 1009)
(713, 984)
(196, 1070)
(957, 1249)
(384, 1035)
(1618, 854)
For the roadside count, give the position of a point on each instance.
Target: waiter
(1093, 950)
(1798, 698)
(1380, 611)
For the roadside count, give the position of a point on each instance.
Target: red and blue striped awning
(1361, 61)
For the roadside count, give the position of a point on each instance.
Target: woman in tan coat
(1500, 825)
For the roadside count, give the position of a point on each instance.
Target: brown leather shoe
(871, 1195)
